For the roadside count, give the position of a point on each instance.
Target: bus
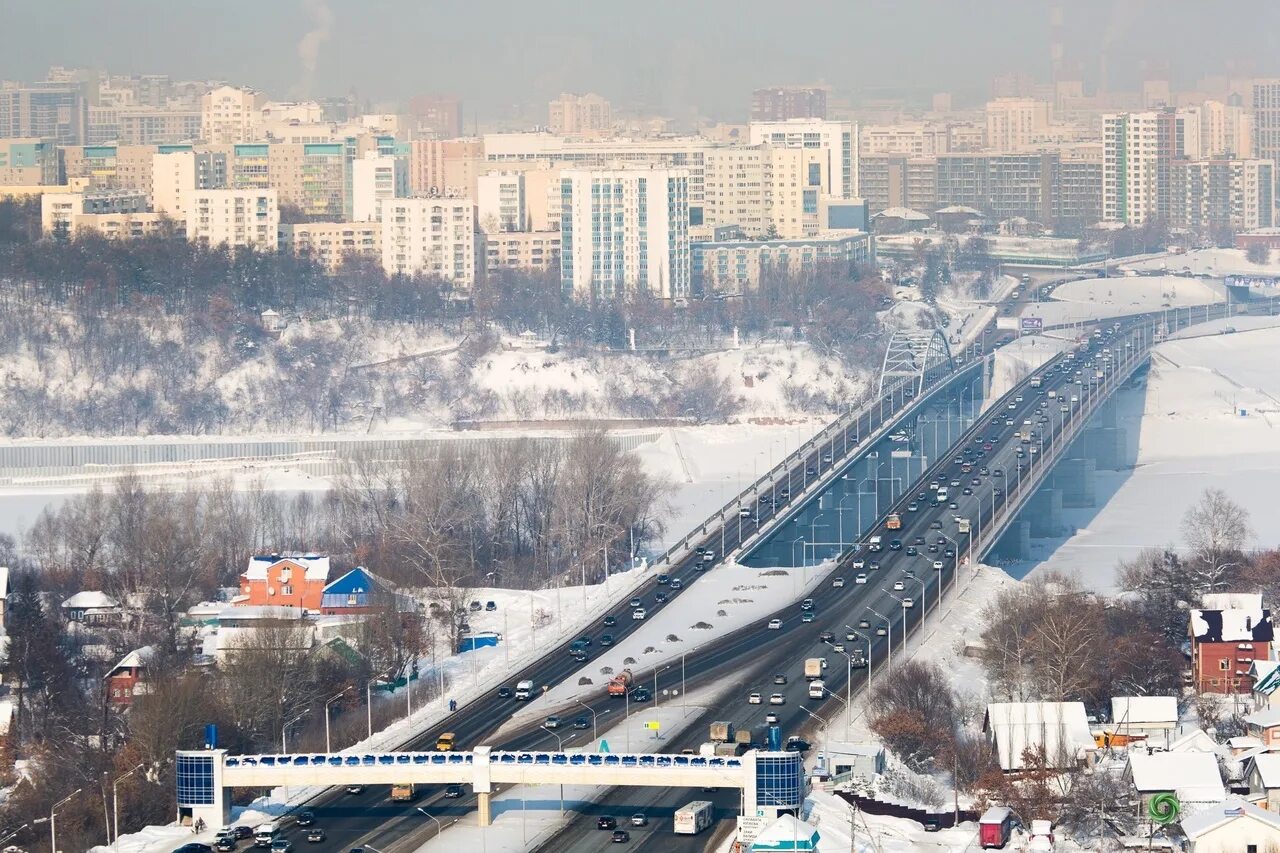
(445, 742)
(693, 818)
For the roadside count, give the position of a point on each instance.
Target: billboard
(1032, 324)
(1007, 323)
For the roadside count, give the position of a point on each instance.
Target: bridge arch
(918, 355)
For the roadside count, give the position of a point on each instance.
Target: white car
(775, 624)
(937, 565)
(638, 614)
(777, 699)
(836, 583)
(754, 699)
(859, 563)
(859, 578)
(837, 647)
(908, 602)
(771, 718)
(898, 586)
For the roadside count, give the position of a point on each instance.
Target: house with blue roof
(361, 591)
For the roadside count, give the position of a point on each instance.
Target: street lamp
(911, 576)
(115, 803)
(16, 831)
(592, 712)
(889, 625)
(826, 737)
(285, 729)
(328, 746)
(560, 746)
(426, 814)
(53, 820)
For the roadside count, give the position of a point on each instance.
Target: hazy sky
(665, 55)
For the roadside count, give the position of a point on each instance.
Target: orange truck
(619, 683)
(894, 522)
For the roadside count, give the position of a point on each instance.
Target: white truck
(524, 690)
(693, 818)
(817, 689)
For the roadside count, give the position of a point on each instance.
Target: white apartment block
(62, 213)
(501, 204)
(1222, 193)
(795, 180)
(176, 175)
(837, 139)
(375, 178)
(1226, 130)
(1132, 148)
(331, 243)
(234, 218)
(735, 188)
(912, 140)
(624, 231)
(430, 236)
(536, 251)
(229, 115)
(1014, 124)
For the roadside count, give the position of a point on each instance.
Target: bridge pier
(1044, 513)
(1105, 445)
(484, 810)
(1074, 478)
(1015, 543)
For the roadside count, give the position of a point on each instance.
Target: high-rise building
(121, 167)
(537, 251)
(1222, 193)
(234, 218)
(313, 177)
(1014, 124)
(1226, 130)
(374, 178)
(895, 180)
(837, 139)
(579, 115)
(430, 236)
(151, 126)
(783, 103)
(1077, 196)
(1001, 185)
(228, 115)
(911, 139)
(435, 116)
(1266, 120)
(624, 231)
(795, 179)
(500, 202)
(445, 166)
(29, 162)
(49, 110)
(734, 188)
(176, 175)
(1138, 151)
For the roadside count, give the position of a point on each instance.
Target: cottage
(1192, 777)
(1225, 642)
(1265, 675)
(1265, 726)
(284, 580)
(1195, 740)
(1232, 826)
(91, 608)
(864, 760)
(361, 591)
(1262, 775)
(1061, 729)
(127, 678)
(1155, 717)
(275, 628)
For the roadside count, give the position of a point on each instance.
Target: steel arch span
(918, 355)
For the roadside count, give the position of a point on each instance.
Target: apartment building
(374, 178)
(235, 218)
(1013, 124)
(625, 230)
(28, 161)
(1222, 193)
(1136, 154)
(1001, 185)
(435, 116)
(537, 251)
(430, 236)
(61, 212)
(152, 126)
(838, 140)
(734, 188)
(795, 179)
(500, 202)
(48, 110)
(740, 266)
(893, 180)
(579, 115)
(228, 115)
(313, 177)
(783, 103)
(445, 166)
(176, 174)
(122, 167)
(1226, 130)
(911, 139)
(331, 243)
(1078, 184)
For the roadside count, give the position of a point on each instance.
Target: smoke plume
(311, 42)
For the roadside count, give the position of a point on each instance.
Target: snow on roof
(1265, 676)
(958, 208)
(316, 565)
(135, 659)
(1229, 810)
(1231, 626)
(1231, 601)
(786, 833)
(260, 611)
(902, 213)
(1134, 710)
(1264, 719)
(1193, 775)
(4, 582)
(90, 599)
(1195, 740)
(1062, 728)
(1268, 764)
(1244, 742)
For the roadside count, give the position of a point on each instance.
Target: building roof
(90, 599)
(1268, 764)
(1195, 740)
(957, 208)
(1231, 601)
(134, 660)
(1060, 727)
(1229, 810)
(1192, 775)
(248, 612)
(358, 579)
(786, 833)
(1234, 625)
(1265, 675)
(1264, 719)
(902, 213)
(1137, 710)
(316, 565)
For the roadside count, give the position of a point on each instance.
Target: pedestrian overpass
(771, 782)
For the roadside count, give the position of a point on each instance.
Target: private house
(1265, 675)
(1225, 642)
(284, 580)
(127, 678)
(1061, 729)
(91, 607)
(1232, 826)
(1152, 717)
(1196, 740)
(361, 591)
(1192, 777)
(1265, 726)
(1262, 774)
(273, 628)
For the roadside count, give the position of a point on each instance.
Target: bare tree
(1216, 529)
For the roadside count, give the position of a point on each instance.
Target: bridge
(771, 781)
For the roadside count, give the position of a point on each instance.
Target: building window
(1224, 665)
(287, 589)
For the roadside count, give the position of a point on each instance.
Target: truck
(1053, 395)
(1036, 381)
(722, 731)
(817, 689)
(942, 494)
(812, 668)
(693, 818)
(893, 522)
(524, 690)
(875, 543)
(742, 737)
(962, 526)
(403, 793)
(619, 684)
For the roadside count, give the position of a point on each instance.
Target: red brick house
(293, 580)
(127, 679)
(1226, 641)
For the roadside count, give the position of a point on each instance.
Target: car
(315, 835)
(796, 743)
(1008, 422)
(1017, 399)
(490, 606)
(913, 507)
(620, 836)
(584, 640)
(453, 792)
(898, 586)
(858, 563)
(676, 583)
(954, 484)
(744, 512)
(638, 614)
(810, 470)
(826, 458)
(997, 472)
(807, 616)
(838, 647)
(355, 789)
(775, 624)
(949, 553)
(639, 819)
(777, 699)
(641, 694)
(967, 490)
(785, 494)
(606, 639)
(225, 844)
(908, 602)
(610, 621)
(807, 604)
(933, 548)
(911, 551)
(984, 472)
(306, 817)
(873, 566)
(241, 832)
(937, 565)
(997, 491)
(552, 722)
(895, 545)
(1013, 406)
(754, 699)
(837, 583)
(581, 723)
(860, 578)
(779, 678)
(976, 481)
(953, 504)
(881, 630)
(919, 540)
(663, 580)
(505, 692)
(935, 525)
(476, 606)
(771, 719)
(660, 597)
(635, 602)
(826, 637)
(281, 845)
(864, 624)
(606, 823)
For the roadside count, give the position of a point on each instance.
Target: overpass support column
(1105, 445)
(1015, 544)
(1074, 477)
(482, 784)
(484, 813)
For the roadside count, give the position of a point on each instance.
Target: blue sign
(210, 736)
(1032, 323)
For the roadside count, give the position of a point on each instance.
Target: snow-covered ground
(1090, 299)
(1214, 262)
(1209, 417)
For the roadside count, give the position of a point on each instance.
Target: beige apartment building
(538, 251)
(580, 115)
(734, 183)
(62, 212)
(235, 218)
(228, 115)
(331, 243)
(445, 165)
(152, 126)
(766, 189)
(912, 139)
(117, 167)
(430, 236)
(1014, 124)
(176, 175)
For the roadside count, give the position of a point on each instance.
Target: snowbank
(1097, 298)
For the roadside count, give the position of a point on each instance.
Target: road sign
(652, 725)
(604, 745)
(1032, 323)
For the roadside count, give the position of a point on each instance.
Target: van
(874, 543)
(445, 742)
(942, 494)
(264, 834)
(524, 691)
